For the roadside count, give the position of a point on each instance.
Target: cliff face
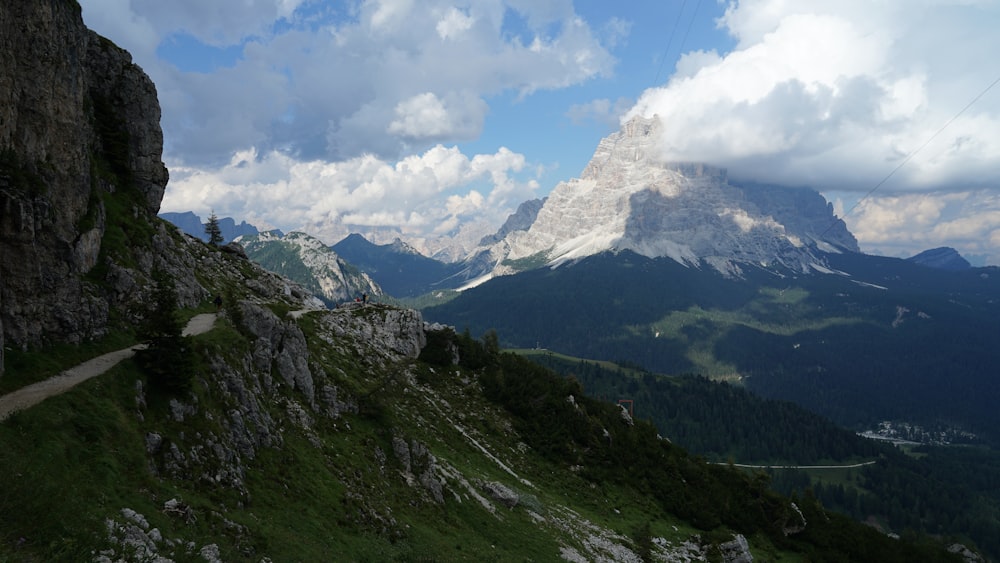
(79, 133)
(628, 198)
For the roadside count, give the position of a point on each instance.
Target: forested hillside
(891, 341)
(948, 491)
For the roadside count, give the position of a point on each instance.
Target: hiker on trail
(218, 302)
(364, 298)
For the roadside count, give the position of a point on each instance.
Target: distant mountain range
(193, 225)
(397, 267)
(672, 267)
(310, 262)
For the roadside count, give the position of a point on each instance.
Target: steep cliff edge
(80, 157)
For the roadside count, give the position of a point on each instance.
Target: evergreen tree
(167, 360)
(212, 229)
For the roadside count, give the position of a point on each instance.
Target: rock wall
(79, 124)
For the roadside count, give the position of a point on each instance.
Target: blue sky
(435, 117)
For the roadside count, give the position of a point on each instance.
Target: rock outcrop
(736, 551)
(80, 143)
(520, 220)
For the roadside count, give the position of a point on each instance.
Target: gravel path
(35, 393)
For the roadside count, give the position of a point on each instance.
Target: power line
(914, 153)
(670, 40)
(666, 51)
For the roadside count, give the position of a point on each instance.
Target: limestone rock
(92, 132)
(628, 198)
(384, 330)
(501, 493)
(282, 343)
(736, 551)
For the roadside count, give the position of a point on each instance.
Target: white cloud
(454, 24)
(115, 18)
(429, 193)
(388, 77)
(836, 94)
(905, 224)
(427, 117)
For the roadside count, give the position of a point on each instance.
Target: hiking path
(35, 393)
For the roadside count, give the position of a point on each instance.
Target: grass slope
(83, 474)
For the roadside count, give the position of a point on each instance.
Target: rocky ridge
(193, 225)
(307, 259)
(627, 199)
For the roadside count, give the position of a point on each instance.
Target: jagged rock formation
(520, 220)
(943, 258)
(628, 199)
(79, 125)
(192, 225)
(310, 262)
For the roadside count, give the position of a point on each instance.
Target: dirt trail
(35, 393)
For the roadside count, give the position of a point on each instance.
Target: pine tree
(167, 360)
(212, 229)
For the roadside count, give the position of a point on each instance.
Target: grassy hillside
(391, 458)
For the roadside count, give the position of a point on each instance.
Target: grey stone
(153, 442)
(501, 493)
(736, 551)
(402, 452)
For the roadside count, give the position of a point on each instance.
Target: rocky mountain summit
(628, 199)
(313, 264)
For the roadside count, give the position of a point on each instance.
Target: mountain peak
(306, 258)
(401, 247)
(629, 198)
(635, 145)
(942, 258)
